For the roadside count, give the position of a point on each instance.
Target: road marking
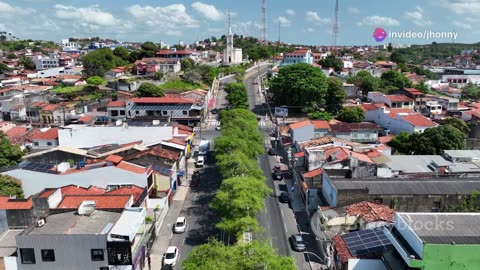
(285, 225)
(265, 209)
(271, 243)
(281, 212)
(183, 242)
(171, 236)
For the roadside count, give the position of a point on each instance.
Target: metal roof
(416, 163)
(463, 153)
(450, 228)
(408, 187)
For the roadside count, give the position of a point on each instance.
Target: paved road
(201, 218)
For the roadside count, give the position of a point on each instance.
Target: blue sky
(302, 21)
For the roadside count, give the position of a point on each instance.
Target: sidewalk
(163, 239)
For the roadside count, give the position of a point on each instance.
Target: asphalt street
(201, 218)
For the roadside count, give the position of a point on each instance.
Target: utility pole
(264, 21)
(335, 27)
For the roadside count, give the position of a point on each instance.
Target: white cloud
(312, 16)
(309, 30)
(462, 25)
(172, 17)
(418, 17)
(9, 10)
(283, 21)
(248, 28)
(290, 12)
(174, 33)
(353, 10)
(461, 6)
(378, 21)
(90, 15)
(210, 12)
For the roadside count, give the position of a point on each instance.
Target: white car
(200, 161)
(171, 256)
(180, 226)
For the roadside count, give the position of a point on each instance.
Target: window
(114, 113)
(184, 112)
(122, 112)
(27, 255)
(378, 200)
(164, 112)
(97, 255)
(35, 143)
(137, 112)
(49, 143)
(150, 113)
(48, 255)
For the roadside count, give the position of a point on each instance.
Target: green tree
(10, 186)
(402, 143)
(26, 62)
(365, 82)
(434, 141)
(320, 116)
(150, 46)
(403, 67)
(422, 87)
(335, 95)
(122, 53)
(396, 57)
(100, 61)
(459, 124)
(332, 62)
(299, 84)
(395, 79)
(4, 68)
(351, 115)
(11, 56)
(10, 155)
(95, 80)
(149, 90)
(237, 95)
(215, 255)
(389, 47)
(471, 91)
(187, 63)
(192, 76)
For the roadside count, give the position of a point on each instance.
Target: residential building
(68, 46)
(321, 128)
(298, 56)
(46, 62)
(396, 120)
(351, 90)
(414, 94)
(167, 108)
(448, 104)
(302, 131)
(150, 66)
(231, 55)
(116, 110)
(429, 241)
(173, 53)
(50, 72)
(52, 114)
(43, 138)
(393, 101)
(115, 73)
(365, 132)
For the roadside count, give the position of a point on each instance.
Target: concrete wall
(44, 143)
(408, 234)
(3, 220)
(71, 251)
(329, 191)
(303, 133)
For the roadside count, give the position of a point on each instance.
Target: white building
(231, 55)
(68, 46)
(46, 62)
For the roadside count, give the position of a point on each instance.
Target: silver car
(297, 242)
(180, 226)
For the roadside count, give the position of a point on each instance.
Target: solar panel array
(39, 167)
(366, 242)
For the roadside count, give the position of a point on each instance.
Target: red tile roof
(299, 154)
(131, 167)
(136, 191)
(418, 120)
(386, 139)
(118, 103)
(321, 124)
(159, 152)
(46, 193)
(371, 212)
(341, 248)
(50, 107)
(368, 107)
(7, 203)
(300, 124)
(50, 134)
(77, 190)
(177, 141)
(165, 100)
(398, 98)
(85, 119)
(313, 173)
(183, 127)
(102, 201)
(167, 52)
(393, 112)
(114, 159)
(130, 144)
(336, 154)
(414, 91)
(16, 132)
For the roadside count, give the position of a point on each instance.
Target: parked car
(215, 111)
(272, 152)
(218, 128)
(277, 176)
(297, 242)
(170, 257)
(284, 197)
(200, 161)
(181, 225)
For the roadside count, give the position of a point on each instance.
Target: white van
(200, 161)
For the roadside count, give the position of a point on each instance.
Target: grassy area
(92, 96)
(178, 85)
(67, 89)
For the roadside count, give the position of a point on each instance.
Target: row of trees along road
(240, 198)
(10, 155)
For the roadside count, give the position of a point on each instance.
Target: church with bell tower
(231, 55)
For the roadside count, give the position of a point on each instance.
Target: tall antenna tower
(229, 22)
(335, 27)
(264, 21)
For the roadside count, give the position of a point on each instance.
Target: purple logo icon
(379, 34)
